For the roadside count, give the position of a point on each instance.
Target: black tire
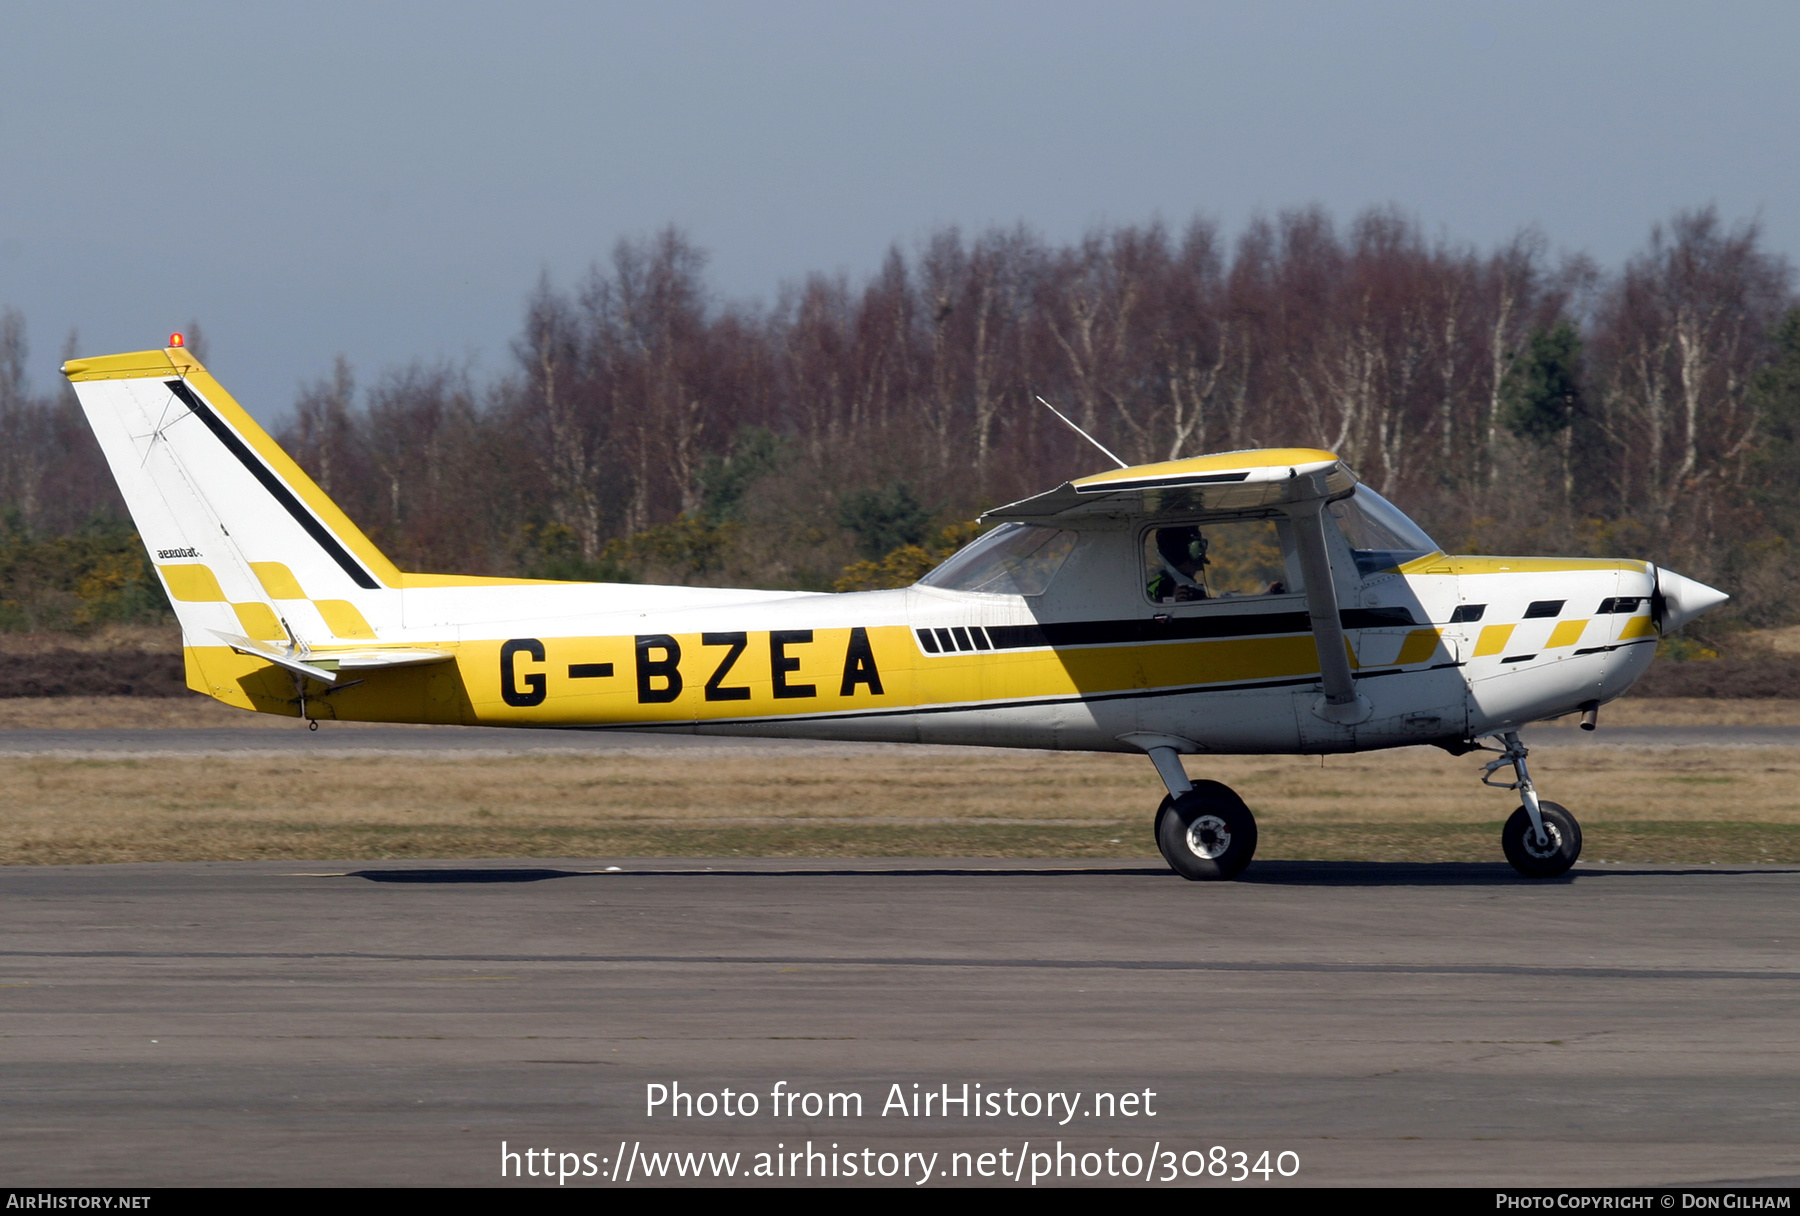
(1156, 828)
(1526, 857)
(1207, 834)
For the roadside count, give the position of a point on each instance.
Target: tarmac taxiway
(393, 1023)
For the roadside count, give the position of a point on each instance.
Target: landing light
(175, 340)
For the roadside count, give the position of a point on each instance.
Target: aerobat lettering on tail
(1245, 602)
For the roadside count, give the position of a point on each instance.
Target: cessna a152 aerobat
(1258, 602)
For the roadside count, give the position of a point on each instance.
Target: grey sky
(389, 180)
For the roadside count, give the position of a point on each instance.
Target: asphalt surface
(394, 1023)
(364, 737)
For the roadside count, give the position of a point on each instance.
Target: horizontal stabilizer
(325, 665)
(280, 656)
(366, 660)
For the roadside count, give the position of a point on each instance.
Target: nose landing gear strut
(1541, 839)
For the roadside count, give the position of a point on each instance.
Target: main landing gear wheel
(1540, 859)
(1156, 829)
(1207, 834)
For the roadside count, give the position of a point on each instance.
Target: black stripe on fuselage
(273, 484)
(1183, 628)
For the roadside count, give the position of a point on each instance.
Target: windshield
(1380, 534)
(1013, 559)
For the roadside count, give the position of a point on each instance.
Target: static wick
(1084, 434)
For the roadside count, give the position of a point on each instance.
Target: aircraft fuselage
(1447, 648)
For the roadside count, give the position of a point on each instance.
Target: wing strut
(1341, 703)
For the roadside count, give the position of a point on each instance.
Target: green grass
(198, 839)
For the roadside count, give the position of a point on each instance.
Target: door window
(1235, 559)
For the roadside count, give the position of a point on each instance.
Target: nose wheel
(1540, 839)
(1547, 857)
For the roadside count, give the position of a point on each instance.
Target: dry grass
(198, 712)
(127, 713)
(151, 639)
(1785, 640)
(1419, 805)
(1694, 711)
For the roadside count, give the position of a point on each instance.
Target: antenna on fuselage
(1084, 434)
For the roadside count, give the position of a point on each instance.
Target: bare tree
(1681, 331)
(321, 435)
(1404, 355)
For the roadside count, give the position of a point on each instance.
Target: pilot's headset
(1182, 546)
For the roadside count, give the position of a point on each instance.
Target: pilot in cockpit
(1183, 562)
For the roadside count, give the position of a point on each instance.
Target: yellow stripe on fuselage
(1566, 633)
(631, 681)
(1493, 639)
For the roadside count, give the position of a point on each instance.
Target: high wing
(1229, 481)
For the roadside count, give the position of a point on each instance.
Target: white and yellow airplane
(1259, 602)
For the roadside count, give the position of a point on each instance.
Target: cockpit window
(1013, 559)
(1380, 535)
(1214, 561)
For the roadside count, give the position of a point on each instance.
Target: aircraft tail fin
(244, 541)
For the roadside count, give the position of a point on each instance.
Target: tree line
(1512, 399)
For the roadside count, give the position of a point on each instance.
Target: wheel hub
(1208, 837)
(1551, 846)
